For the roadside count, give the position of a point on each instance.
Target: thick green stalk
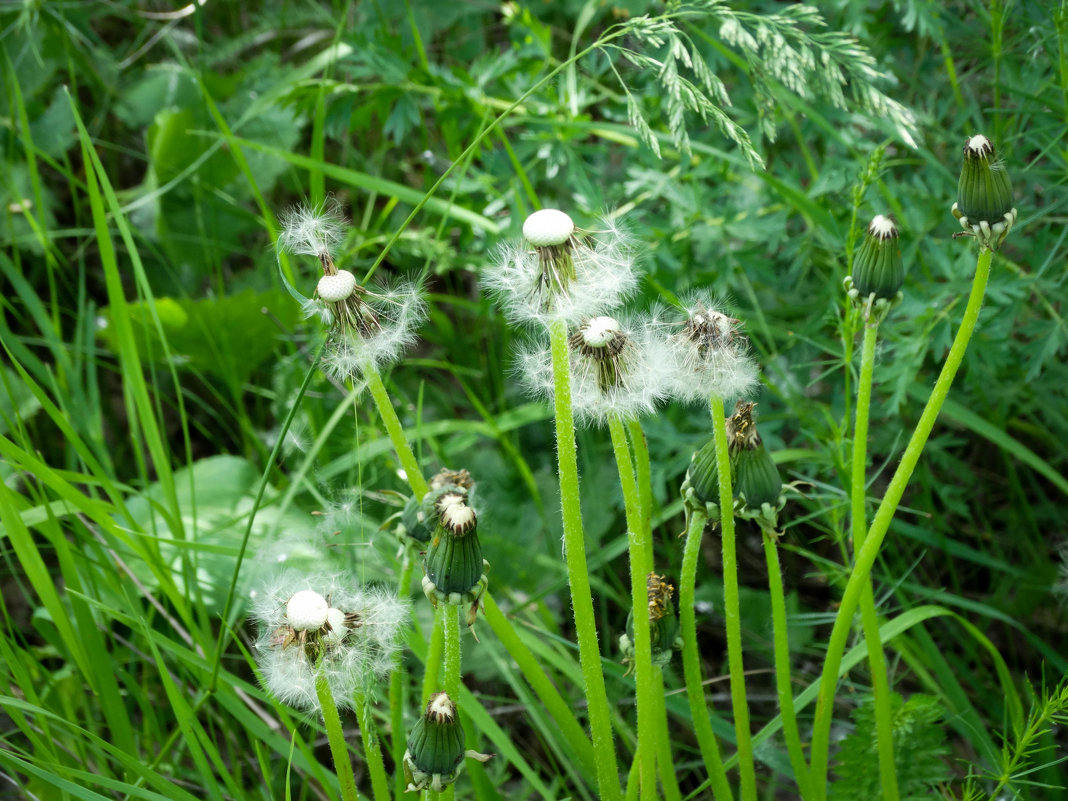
(577, 570)
(867, 554)
(450, 624)
(335, 736)
(372, 749)
(665, 760)
(641, 565)
(732, 606)
(783, 683)
(644, 472)
(432, 677)
(691, 664)
(395, 430)
(884, 719)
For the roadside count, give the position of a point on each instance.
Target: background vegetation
(151, 354)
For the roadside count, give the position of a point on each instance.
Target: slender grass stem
(884, 721)
(700, 714)
(397, 693)
(335, 736)
(412, 472)
(783, 682)
(578, 571)
(867, 554)
(641, 565)
(731, 606)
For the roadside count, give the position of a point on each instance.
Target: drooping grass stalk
(335, 736)
(884, 721)
(535, 675)
(372, 750)
(641, 565)
(866, 555)
(732, 606)
(695, 691)
(783, 682)
(577, 570)
(395, 430)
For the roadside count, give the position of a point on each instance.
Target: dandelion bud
(435, 753)
(757, 483)
(663, 622)
(877, 269)
(984, 204)
(306, 611)
(700, 488)
(453, 566)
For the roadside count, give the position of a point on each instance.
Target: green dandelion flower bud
(877, 268)
(453, 566)
(984, 204)
(663, 623)
(435, 752)
(757, 478)
(700, 488)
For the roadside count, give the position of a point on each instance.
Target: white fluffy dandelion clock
(562, 273)
(325, 626)
(619, 368)
(369, 327)
(709, 354)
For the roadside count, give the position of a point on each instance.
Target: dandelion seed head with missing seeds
(370, 327)
(710, 356)
(562, 273)
(351, 657)
(620, 368)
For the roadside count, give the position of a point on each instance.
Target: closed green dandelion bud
(878, 269)
(435, 752)
(757, 483)
(984, 204)
(453, 566)
(702, 476)
(757, 478)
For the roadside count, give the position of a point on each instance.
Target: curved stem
(641, 565)
(578, 571)
(335, 736)
(412, 472)
(700, 714)
(732, 606)
(867, 554)
(884, 720)
(783, 683)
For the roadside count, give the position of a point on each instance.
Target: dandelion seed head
(311, 230)
(709, 354)
(600, 276)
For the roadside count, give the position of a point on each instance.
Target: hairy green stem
(641, 565)
(783, 682)
(732, 606)
(691, 664)
(665, 761)
(372, 749)
(577, 569)
(450, 625)
(644, 471)
(335, 736)
(867, 554)
(432, 677)
(884, 720)
(412, 472)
